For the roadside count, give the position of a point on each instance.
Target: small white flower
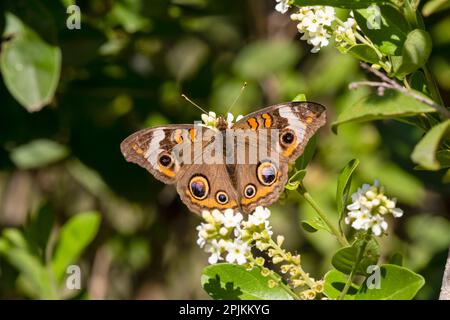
(362, 220)
(397, 212)
(209, 120)
(346, 32)
(237, 251)
(231, 220)
(217, 216)
(282, 6)
(379, 225)
(259, 216)
(215, 248)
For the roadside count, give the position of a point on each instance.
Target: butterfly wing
(176, 154)
(282, 132)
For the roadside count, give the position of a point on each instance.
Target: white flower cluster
(226, 235)
(345, 33)
(369, 208)
(210, 119)
(314, 22)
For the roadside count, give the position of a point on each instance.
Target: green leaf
(374, 107)
(300, 97)
(307, 154)
(386, 28)
(363, 52)
(233, 282)
(39, 227)
(345, 258)
(334, 283)
(295, 180)
(396, 283)
(415, 53)
(34, 273)
(30, 66)
(314, 225)
(434, 6)
(38, 153)
(424, 152)
(348, 4)
(343, 186)
(74, 237)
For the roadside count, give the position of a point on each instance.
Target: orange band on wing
(166, 171)
(289, 150)
(212, 203)
(177, 136)
(267, 120)
(253, 123)
(192, 134)
(261, 192)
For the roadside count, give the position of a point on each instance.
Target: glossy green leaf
(74, 237)
(343, 186)
(30, 66)
(363, 52)
(295, 180)
(344, 259)
(38, 153)
(334, 283)
(312, 226)
(374, 107)
(396, 283)
(415, 53)
(386, 27)
(349, 4)
(300, 97)
(225, 281)
(424, 152)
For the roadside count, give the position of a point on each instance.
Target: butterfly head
(221, 123)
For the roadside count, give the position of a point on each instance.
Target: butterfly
(178, 153)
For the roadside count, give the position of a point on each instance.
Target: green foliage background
(125, 69)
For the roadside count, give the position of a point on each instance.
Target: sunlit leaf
(374, 107)
(38, 153)
(424, 153)
(30, 66)
(345, 259)
(74, 237)
(334, 283)
(343, 186)
(396, 283)
(233, 282)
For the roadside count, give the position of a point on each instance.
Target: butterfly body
(231, 166)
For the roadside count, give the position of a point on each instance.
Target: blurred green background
(125, 69)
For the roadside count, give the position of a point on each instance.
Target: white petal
(397, 212)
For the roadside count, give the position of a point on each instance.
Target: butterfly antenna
(193, 103)
(238, 96)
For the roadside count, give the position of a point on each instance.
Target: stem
(341, 238)
(389, 83)
(432, 85)
(304, 275)
(352, 273)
